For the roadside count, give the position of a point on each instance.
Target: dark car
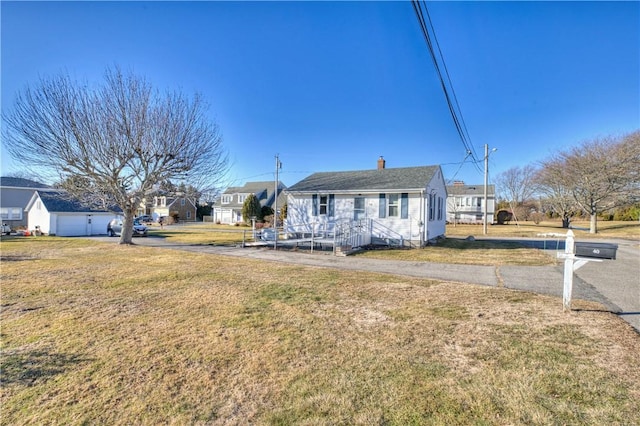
(145, 218)
(114, 228)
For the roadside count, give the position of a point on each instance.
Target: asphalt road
(613, 283)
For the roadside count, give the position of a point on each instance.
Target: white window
(242, 197)
(189, 215)
(440, 209)
(358, 208)
(432, 206)
(182, 202)
(393, 205)
(323, 204)
(11, 213)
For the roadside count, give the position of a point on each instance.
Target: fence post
(313, 228)
(568, 271)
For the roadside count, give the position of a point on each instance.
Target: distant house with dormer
(465, 203)
(182, 208)
(228, 208)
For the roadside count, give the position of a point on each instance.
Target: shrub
(537, 217)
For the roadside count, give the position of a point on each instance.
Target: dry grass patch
(468, 253)
(103, 333)
(204, 233)
(606, 229)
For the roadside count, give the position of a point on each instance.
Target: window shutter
(382, 206)
(332, 203)
(314, 204)
(404, 205)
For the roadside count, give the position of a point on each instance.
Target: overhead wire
(449, 92)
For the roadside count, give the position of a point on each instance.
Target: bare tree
(517, 186)
(599, 174)
(557, 195)
(110, 144)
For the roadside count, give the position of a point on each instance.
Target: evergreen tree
(251, 208)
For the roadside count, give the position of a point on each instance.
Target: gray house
(54, 213)
(15, 194)
(398, 205)
(465, 203)
(228, 208)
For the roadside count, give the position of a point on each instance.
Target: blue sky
(331, 86)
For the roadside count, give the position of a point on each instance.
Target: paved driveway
(614, 283)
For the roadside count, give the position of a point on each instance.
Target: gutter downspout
(424, 224)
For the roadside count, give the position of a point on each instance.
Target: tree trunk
(126, 235)
(593, 227)
(565, 222)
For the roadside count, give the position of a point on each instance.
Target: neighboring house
(15, 194)
(384, 205)
(181, 207)
(53, 213)
(465, 203)
(228, 208)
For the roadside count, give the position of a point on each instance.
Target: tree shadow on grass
(25, 368)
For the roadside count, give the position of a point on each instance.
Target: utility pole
(486, 183)
(275, 205)
(486, 178)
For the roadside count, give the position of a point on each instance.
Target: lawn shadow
(25, 368)
(506, 244)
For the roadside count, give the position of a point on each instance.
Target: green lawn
(97, 333)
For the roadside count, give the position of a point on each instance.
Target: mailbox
(596, 250)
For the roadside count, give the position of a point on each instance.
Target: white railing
(352, 233)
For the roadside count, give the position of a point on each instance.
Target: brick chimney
(381, 163)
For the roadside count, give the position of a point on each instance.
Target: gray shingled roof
(250, 188)
(263, 190)
(58, 202)
(470, 189)
(15, 182)
(401, 178)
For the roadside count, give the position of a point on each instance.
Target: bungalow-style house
(15, 194)
(228, 208)
(465, 203)
(53, 213)
(182, 208)
(396, 206)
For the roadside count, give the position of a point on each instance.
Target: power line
(449, 92)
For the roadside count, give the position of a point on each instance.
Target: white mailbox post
(593, 252)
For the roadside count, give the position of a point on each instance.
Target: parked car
(6, 229)
(145, 218)
(114, 228)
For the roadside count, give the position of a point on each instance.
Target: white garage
(53, 213)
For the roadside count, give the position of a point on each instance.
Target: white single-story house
(465, 203)
(399, 205)
(53, 213)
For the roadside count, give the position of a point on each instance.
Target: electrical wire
(449, 92)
